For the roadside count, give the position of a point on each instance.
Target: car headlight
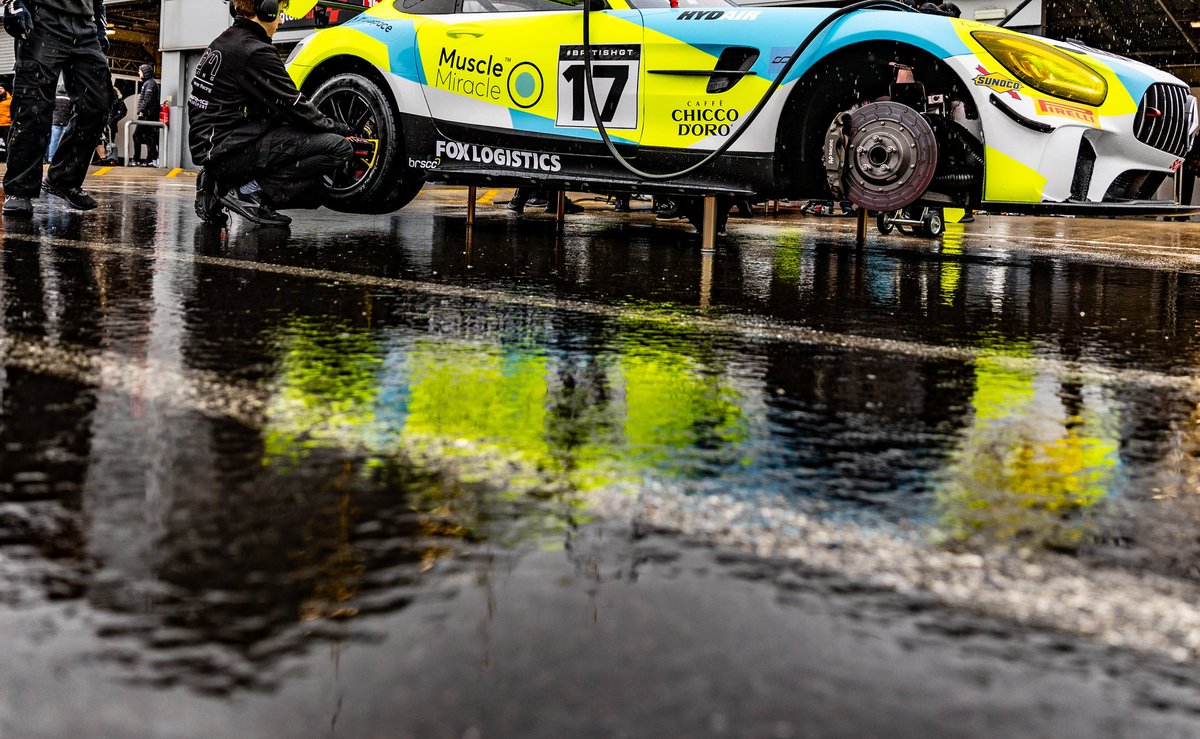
(1045, 68)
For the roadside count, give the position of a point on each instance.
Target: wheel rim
(353, 109)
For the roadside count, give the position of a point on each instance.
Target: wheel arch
(838, 80)
(342, 64)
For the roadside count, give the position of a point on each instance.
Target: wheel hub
(891, 156)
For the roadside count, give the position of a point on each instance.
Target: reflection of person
(67, 38)
(147, 110)
(262, 144)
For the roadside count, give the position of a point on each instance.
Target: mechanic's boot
(75, 196)
(15, 205)
(569, 208)
(253, 208)
(208, 204)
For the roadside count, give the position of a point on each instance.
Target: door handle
(473, 31)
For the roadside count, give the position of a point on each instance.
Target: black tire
(884, 222)
(933, 224)
(360, 102)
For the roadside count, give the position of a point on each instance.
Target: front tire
(384, 184)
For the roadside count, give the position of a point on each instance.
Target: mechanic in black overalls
(262, 144)
(54, 36)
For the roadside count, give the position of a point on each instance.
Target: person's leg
(294, 165)
(56, 133)
(38, 62)
(519, 198)
(568, 206)
(86, 77)
(208, 197)
(1187, 187)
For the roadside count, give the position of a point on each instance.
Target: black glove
(102, 37)
(343, 129)
(18, 21)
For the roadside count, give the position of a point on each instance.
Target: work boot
(622, 204)
(75, 196)
(208, 205)
(568, 207)
(253, 208)
(15, 205)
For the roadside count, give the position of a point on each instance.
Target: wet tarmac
(388, 476)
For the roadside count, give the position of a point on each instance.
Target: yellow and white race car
(882, 106)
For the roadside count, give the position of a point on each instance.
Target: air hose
(748, 118)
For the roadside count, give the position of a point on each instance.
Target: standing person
(262, 144)
(67, 37)
(1187, 174)
(58, 121)
(5, 120)
(147, 110)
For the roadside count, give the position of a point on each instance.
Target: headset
(265, 10)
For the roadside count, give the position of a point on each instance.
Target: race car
(881, 106)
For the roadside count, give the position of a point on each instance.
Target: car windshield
(681, 4)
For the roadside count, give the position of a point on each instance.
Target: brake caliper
(837, 140)
(365, 152)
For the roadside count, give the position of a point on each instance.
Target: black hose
(962, 179)
(748, 119)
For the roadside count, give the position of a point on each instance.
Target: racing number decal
(616, 72)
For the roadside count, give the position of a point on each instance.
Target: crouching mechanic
(262, 145)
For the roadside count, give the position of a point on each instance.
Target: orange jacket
(6, 111)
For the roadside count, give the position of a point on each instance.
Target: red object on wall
(164, 114)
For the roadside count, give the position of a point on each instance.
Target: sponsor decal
(1062, 110)
(779, 57)
(1178, 163)
(705, 118)
(473, 76)
(424, 163)
(525, 85)
(718, 15)
(371, 21)
(997, 82)
(500, 157)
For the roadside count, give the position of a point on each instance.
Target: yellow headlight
(1044, 67)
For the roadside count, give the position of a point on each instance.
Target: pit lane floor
(379, 476)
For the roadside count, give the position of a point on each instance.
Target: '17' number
(615, 73)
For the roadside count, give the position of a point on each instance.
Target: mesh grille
(1162, 118)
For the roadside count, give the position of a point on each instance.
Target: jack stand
(862, 226)
(708, 231)
(471, 205)
(560, 208)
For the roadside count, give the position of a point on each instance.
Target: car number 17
(616, 74)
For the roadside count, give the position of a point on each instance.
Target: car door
(707, 68)
(505, 84)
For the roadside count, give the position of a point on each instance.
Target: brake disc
(891, 156)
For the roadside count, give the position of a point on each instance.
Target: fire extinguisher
(164, 112)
